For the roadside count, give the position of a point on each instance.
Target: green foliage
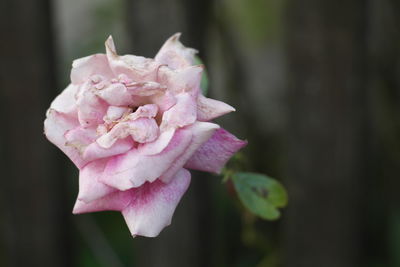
(261, 194)
(204, 77)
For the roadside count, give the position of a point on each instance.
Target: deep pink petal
(213, 155)
(153, 205)
(174, 54)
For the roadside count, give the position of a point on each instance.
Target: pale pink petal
(202, 131)
(117, 201)
(84, 68)
(115, 94)
(164, 100)
(143, 130)
(212, 156)
(89, 186)
(66, 101)
(94, 151)
(91, 109)
(181, 80)
(134, 168)
(145, 88)
(134, 67)
(153, 205)
(208, 109)
(159, 144)
(55, 127)
(81, 136)
(183, 113)
(174, 54)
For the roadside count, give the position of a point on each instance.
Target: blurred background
(317, 88)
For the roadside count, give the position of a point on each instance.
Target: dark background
(317, 88)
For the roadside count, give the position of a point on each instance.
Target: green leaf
(204, 78)
(261, 194)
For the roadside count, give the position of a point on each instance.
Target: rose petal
(55, 127)
(159, 144)
(94, 151)
(208, 109)
(115, 113)
(117, 201)
(202, 131)
(85, 67)
(89, 186)
(175, 54)
(141, 130)
(213, 155)
(134, 67)
(146, 111)
(134, 168)
(145, 88)
(181, 114)
(91, 109)
(181, 80)
(80, 135)
(66, 101)
(115, 94)
(146, 209)
(153, 205)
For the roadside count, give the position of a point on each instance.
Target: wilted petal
(146, 111)
(91, 109)
(202, 131)
(134, 67)
(153, 205)
(141, 130)
(181, 114)
(175, 54)
(181, 80)
(208, 109)
(114, 113)
(214, 154)
(85, 67)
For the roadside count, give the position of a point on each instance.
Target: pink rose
(133, 126)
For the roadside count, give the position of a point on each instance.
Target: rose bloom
(133, 126)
